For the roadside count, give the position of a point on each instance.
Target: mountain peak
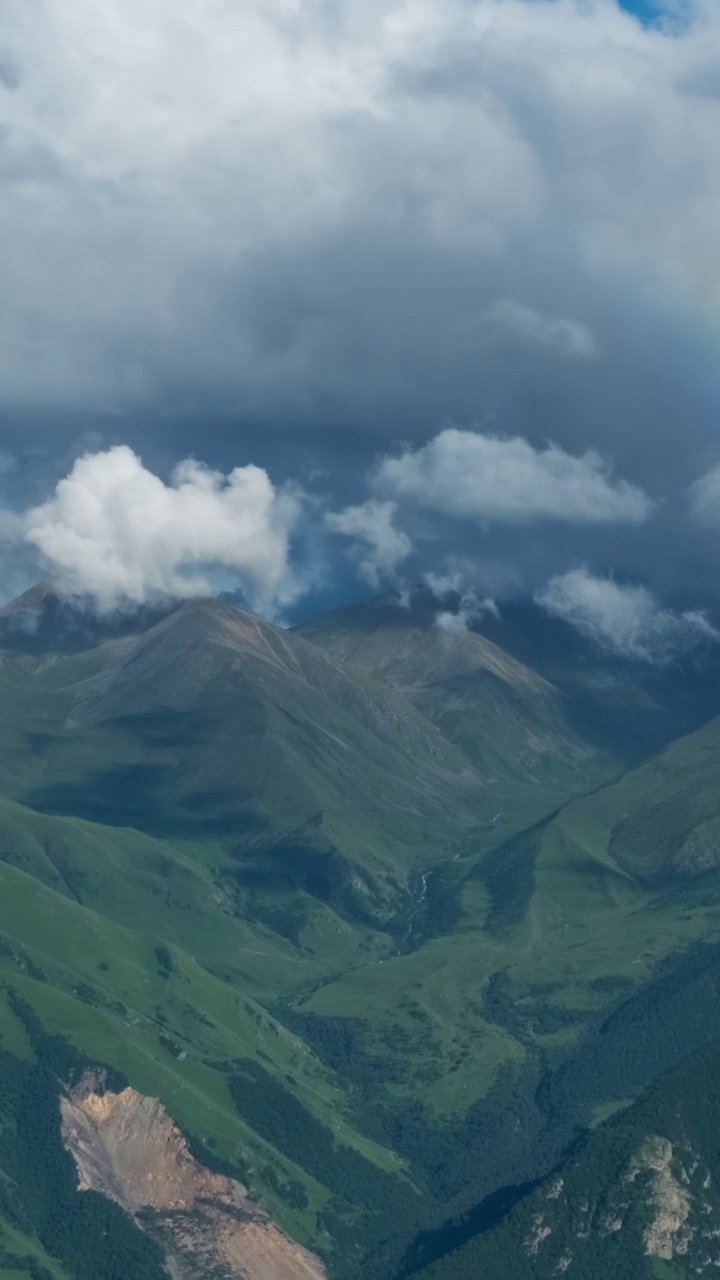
(407, 644)
(34, 598)
(44, 619)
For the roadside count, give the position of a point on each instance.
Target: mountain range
(411, 927)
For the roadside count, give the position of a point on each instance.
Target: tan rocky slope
(127, 1147)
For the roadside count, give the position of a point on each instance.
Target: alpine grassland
(395, 931)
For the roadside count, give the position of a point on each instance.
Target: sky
(312, 300)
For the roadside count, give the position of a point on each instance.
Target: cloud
(298, 208)
(299, 232)
(623, 619)
(507, 480)
(469, 605)
(471, 609)
(705, 497)
(117, 532)
(565, 336)
(378, 546)
(12, 528)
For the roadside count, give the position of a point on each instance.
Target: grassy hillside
(516, 726)
(518, 951)
(637, 1201)
(339, 903)
(215, 724)
(592, 698)
(211, 1054)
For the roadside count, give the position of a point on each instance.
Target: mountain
(528, 669)
(378, 923)
(637, 1201)
(637, 707)
(514, 724)
(42, 620)
(212, 722)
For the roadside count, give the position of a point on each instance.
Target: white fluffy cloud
(117, 532)
(378, 546)
(623, 619)
(489, 478)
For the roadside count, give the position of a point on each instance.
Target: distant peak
(34, 598)
(414, 608)
(44, 619)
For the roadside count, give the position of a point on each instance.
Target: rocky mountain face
(637, 1200)
(125, 1146)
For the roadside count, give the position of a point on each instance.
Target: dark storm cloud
(301, 235)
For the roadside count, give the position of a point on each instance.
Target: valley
(387, 919)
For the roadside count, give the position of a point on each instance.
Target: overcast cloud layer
(451, 267)
(325, 209)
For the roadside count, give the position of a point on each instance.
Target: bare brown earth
(127, 1147)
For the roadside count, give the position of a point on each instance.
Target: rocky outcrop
(126, 1146)
(666, 1236)
(699, 852)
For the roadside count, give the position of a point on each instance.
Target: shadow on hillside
(508, 873)
(140, 796)
(430, 1246)
(165, 727)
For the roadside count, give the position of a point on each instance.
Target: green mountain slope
(633, 707)
(275, 803)
(510, 721)
(521, 942)
(637, 1201)
(598, 700)
(225, 1068)
(664, 819)
(213, 721)
(356, 904)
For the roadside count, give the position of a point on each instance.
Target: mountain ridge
(506, 717)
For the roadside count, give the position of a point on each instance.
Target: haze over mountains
(396, 917)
